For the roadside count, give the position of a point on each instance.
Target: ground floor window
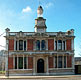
(20, 62)
(60, 61)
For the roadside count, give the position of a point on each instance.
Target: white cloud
(27, 9)
(49, 5)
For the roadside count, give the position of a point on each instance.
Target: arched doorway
(40, 66)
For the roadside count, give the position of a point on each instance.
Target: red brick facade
(11, 44)
(68, 44)
(30, 62)
(39, 52)
(50, 44)
(50, 60)
(69, 61)
(10, 62)
(30, 44)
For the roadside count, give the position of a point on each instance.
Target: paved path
(66, 77)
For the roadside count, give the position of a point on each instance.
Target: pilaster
(73, 61)
(72, 44)
(47, 64)
(14, 44)
(26, 44)
(23, 45)
(54, 44)
(6, 65)
(65, 45)
(40, 45)
(57, 44)
(18, 45)
(34, 69)
(17, 62)
(62, 45)
(57, 60)
(46, 44)
(66, 61)
(23, 61)
(13, 62)
(27, 61)
(7, 44)
(63, 61)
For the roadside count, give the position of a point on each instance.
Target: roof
(77, 58)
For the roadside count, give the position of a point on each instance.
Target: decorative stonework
(56, 49)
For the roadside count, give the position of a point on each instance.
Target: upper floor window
(43, 45)
(37, 45)
(40, 45)
(20, 45)
(59, 45)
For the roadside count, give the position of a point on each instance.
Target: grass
(2, 72)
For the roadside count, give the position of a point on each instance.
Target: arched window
(37, 45)
(59, 45)
(43, 45)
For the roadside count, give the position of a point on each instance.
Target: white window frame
(18, 62)
(18, 45)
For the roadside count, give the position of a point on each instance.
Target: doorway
(40, 66)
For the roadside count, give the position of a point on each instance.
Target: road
(44, 78)
(47, 79)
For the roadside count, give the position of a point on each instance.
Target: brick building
(33, 53)
(77, 65)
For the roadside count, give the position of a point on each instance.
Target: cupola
(40, 25)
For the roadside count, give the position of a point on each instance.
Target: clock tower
(40, 26)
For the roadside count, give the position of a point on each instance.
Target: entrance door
(40, 66)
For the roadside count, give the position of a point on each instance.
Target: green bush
(2, 72)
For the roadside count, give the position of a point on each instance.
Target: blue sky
(60, 15)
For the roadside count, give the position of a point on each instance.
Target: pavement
(2, 77)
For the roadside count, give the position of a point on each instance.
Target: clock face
(40, 23)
